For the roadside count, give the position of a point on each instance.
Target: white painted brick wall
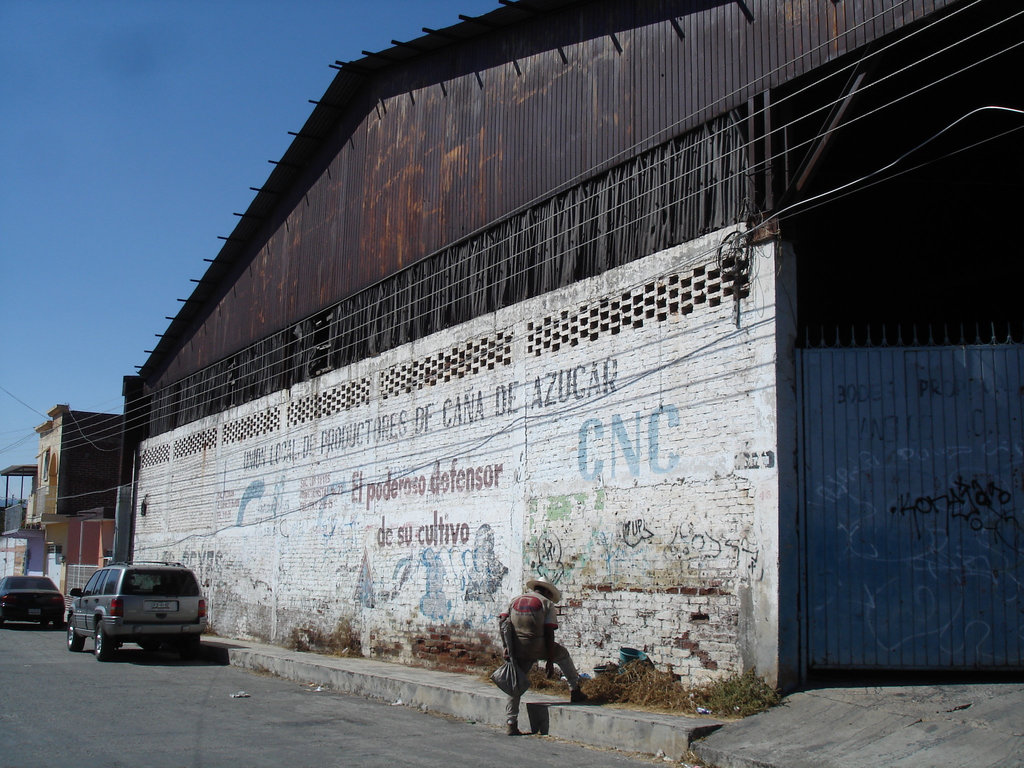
(634, 468)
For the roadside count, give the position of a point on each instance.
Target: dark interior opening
(929, 250)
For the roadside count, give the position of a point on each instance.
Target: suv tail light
(202, 608)
(116, 607)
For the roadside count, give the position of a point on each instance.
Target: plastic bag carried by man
(528, 634)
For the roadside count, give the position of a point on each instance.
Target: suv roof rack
(146, 562)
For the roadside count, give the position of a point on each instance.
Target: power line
(355, 332)
(846, 188)
(545, 416)
(823, 195)
(19, 400)
(842, 189)
(414, 318)
(878, 171)
(211, 385)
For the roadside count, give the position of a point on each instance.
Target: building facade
(544, 293)
(76, 495)
(16, 537)
(619, 434)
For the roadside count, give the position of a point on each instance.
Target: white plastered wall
(618, 437)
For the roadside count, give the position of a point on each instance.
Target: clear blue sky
(129, 134)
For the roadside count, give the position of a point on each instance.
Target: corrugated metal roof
(308, 141)
(732, 51)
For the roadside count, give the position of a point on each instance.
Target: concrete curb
(852, 726)
(467, 697)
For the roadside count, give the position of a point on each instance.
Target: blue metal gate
(912, 475)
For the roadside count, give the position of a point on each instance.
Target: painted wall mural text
(621, 441)
(446, 478)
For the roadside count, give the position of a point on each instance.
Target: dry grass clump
(737, 696)
(541, 682)
(640, 684)
(342, 641)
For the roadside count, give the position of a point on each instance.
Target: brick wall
(90, 454)
(617, 437)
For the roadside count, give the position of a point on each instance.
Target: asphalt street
(151, 709)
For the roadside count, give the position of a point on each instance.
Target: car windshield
(30, 582)
(160, 582)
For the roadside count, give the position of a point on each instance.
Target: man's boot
(576, 696)
(512, 728)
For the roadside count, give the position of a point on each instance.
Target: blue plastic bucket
(626, 655)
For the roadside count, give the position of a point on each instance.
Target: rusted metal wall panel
(431, 150)
(685, 187)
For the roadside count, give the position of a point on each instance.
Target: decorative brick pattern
(670, 296)
(256, 425)
(351, 394)
(484, 354)
(197, 442)
(159, 454)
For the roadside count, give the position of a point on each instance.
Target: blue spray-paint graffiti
(434, 604)
(485, 575)
(466, 572)
(253, 492)
(595, 448)
(364, 587)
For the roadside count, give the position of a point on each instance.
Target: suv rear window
(92, 588)
(109, 587)
(160, 582)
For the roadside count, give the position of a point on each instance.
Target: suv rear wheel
(75, 642)
(104, 646)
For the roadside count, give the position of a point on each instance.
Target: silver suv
(142, 603)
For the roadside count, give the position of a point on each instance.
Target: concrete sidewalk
(469, 697)
(978, 725)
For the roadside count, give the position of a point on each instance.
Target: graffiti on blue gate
(977, 502)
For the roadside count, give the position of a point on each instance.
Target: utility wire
(863, 179)
(266, 367)
(545, 417)
(878, 171)
(18, 399)
(869, 176)
(521, 233)
(753, 84)
(835, 194)
(843, 189)
(942, 19)
(211, 385)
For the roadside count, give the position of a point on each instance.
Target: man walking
(529, 628)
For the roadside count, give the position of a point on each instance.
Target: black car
(30, 598)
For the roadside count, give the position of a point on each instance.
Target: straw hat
(555, 592)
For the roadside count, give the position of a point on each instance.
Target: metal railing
(14, 517)
(78, 575)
